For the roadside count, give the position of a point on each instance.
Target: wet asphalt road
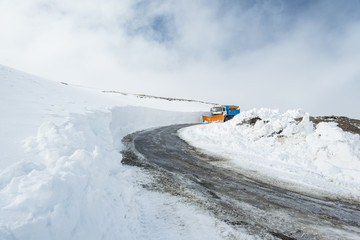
(262, 209)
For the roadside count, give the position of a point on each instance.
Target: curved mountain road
(263, 210)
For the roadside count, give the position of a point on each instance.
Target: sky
(278, 54)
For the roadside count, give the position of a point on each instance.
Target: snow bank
(316, 159)
(72, 185)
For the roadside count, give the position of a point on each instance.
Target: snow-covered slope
(27, 102)
(317, 159)
(60, 170)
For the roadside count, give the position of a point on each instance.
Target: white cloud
(253, 53)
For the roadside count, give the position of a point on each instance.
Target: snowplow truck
(221, 113)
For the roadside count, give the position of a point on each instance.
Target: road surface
(262, 209)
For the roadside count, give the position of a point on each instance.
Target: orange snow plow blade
(213, 118)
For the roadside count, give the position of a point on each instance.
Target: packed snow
(60, 171)
(285, 149)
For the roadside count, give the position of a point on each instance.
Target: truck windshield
(216, 109)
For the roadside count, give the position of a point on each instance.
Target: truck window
(216, 109)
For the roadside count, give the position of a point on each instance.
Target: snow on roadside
(73, 186)
(321, 159)
(61, 177)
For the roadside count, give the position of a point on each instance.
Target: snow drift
(272, 146)
(72, 181)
